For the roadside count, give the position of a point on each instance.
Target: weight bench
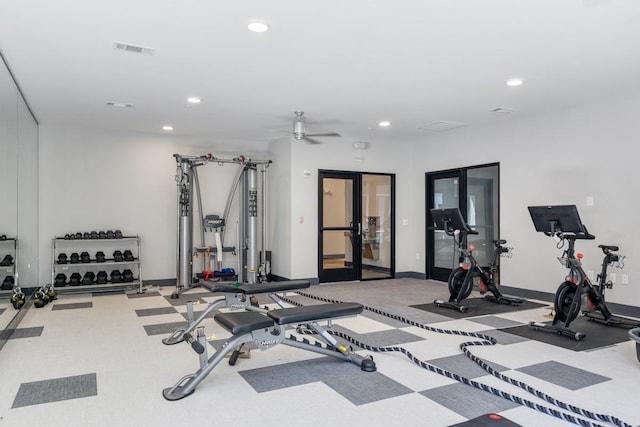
(235, 298)
(266, 331)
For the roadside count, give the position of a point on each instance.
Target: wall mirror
(18, 195)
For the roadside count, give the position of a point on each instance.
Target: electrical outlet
(624, 279)
(612, 277)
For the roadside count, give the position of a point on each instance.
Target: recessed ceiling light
(514, 82)
(167, 127)
(258, 27)
(193, 100)
(384, 124)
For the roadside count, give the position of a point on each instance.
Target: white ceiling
(348, 64)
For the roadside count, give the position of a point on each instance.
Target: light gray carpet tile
(55, 390)
(155, 311)
(468, 401)
(72, 306)
(462, 365)
(144, 295)
(495, 321)
(27, 332)
(563, 375)
(164, 328)
(345, 378)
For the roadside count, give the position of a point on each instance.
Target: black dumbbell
(111, 234)
(86, 235)
(75, 258)
(3, 237)
(117, 256)
(61, 280)
(101, 277)
(85, 258)
(78, 236)
(75, 279)
(7, 283)
(62, 258)
(118, 234)
(127, 276)
(102, 235)
(7, 260)
(88, 278)
(94, 235)
(116, 276)
(100, 257)
(128, 255)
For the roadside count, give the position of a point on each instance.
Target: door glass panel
(446, 194)
(482, 209)
(337, 202)
(376, 226)
(337, 248)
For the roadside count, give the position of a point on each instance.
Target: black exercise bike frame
(568, 301)
(469, 269)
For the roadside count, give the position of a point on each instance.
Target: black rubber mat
(488, 420)
(477, 307)
(598, 335)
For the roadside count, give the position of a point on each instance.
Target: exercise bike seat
(606, 248)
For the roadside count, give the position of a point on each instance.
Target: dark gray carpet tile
(155, 311)
(477, 307)
(495, 321)
(503, 337)
(164, 328)
(468, 401)
(2, 310)
(72, 306)
(377, 339)
(144, 295)
(462, 365)
(345, 378)
(55, 390)
(563, 375)
(27, 332)
(184, 299)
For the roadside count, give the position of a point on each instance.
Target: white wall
(382, 157)
(92, 179)
(560, 158)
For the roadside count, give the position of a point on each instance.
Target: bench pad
(309, 313)
(243, 322)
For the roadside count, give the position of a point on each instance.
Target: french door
(355, 226)
(475, 191)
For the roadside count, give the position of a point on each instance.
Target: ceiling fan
(300, 133)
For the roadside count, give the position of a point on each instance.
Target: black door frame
(355, 270)
(438, 273)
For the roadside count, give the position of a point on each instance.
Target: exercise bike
(577, 293)
(462, 279)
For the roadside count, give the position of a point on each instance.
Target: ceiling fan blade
(312, 140)
(323, 134)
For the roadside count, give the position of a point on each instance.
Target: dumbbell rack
(61, 245)
(8, 246)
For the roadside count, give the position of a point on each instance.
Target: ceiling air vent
(441, 126)
(119, 104)
(126, 47)
(503, 110)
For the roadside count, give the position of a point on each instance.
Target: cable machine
(253, 256)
